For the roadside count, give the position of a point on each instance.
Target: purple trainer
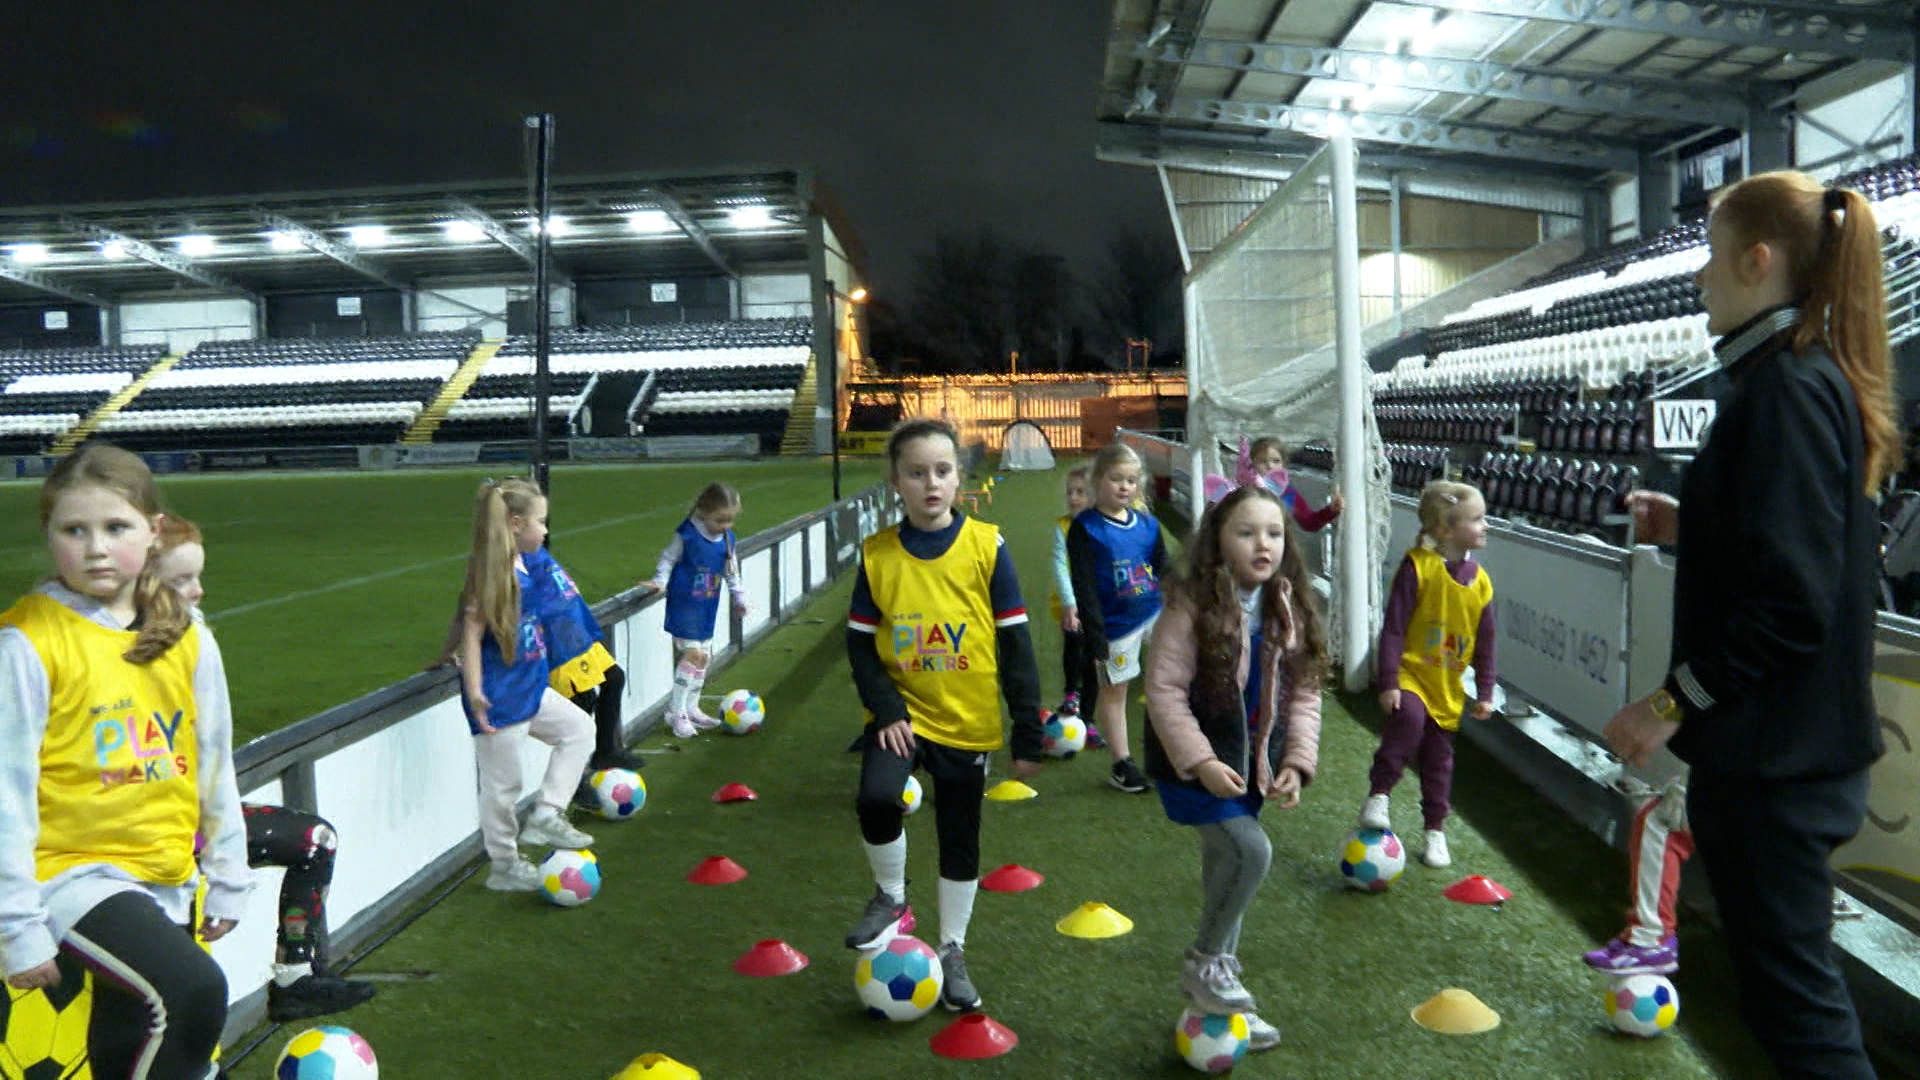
(1622, 957)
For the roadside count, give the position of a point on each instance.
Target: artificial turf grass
(524, 990)
(401, 537)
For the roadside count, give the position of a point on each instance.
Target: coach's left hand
(1636, 731)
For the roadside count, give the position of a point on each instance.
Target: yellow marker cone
(1010, 791)
(1455, 1012)
(656, 1067)
(1094, 920)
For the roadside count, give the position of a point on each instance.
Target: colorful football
(1642, 1005)
(900, 981)
(1370, 859)
(618, 793)
(327, 1053)
(742, 712)
(570, 878)
(1211, 1043)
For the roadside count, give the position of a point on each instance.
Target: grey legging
(1234, 856)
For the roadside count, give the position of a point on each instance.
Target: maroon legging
(1408, 732)
(304, 844)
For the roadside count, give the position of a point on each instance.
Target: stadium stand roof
(605, 226)
(1562, 90)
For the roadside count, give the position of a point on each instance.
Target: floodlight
(367, 236)
(462, 231)
(750, 217)
(650, 221)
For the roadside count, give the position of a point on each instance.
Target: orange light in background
(858, 295)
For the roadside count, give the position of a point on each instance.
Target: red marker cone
(974, 1036)
(1011, 878)
(770, 958)
(718, 870)
(1478, 890)
(735, 793)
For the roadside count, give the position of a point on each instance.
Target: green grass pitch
(326, 586)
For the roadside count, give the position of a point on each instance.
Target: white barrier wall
(403, 794)
(182, 324)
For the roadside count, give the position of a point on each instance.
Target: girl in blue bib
(696, 562)
(504, 685)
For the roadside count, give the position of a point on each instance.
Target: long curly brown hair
(1207, 584)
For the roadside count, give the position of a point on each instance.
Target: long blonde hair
(1831, 244)
(492, 590)
(162, 615)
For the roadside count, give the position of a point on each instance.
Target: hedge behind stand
(394, 771)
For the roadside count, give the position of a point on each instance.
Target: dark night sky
(919, 113)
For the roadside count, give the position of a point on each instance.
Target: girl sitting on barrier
(116, 742)
(1439, 619)
(302, 843)
(504, 685)
(691, 569)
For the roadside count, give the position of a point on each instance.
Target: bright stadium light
(650, 221)
(198, 245)
(114, 250)
(28, 253)
(557, 224)
(462, 231)
(281, 240)
(367, 236)
(750, 217)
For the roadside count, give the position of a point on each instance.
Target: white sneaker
(546, 827)
(1260, 1034)
(1212, 984)
(513, 875)
(1435, 854)
(681, 727)
(1373, 813)
(701, 720)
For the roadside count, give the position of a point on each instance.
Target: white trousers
(560, 724)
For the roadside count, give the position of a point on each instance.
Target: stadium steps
(80, 432)
(431, 417)
(798, 438)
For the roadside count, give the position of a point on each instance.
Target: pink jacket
(1171, 665)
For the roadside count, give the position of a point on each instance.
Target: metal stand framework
(1351, 456)
(542, 290)
(833, 387)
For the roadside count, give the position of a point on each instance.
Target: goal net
(1261, 359)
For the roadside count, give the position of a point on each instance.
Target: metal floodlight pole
(833, 382)
(542, 299)
(1351, 451)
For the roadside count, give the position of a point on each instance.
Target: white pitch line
(399, 571)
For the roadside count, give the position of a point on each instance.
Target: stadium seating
(708, 379)
(291, 392)
(1541, 396)
(43, 392)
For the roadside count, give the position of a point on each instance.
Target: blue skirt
(1198, 806)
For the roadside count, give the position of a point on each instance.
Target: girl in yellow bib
(116, 745)
(1439, 619)
(936, 637)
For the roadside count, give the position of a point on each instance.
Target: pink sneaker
(701, 720)
(680, 725)
(1622, 957)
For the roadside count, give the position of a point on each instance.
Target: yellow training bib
(936, 633)
(1440, 636)
(120, 763)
